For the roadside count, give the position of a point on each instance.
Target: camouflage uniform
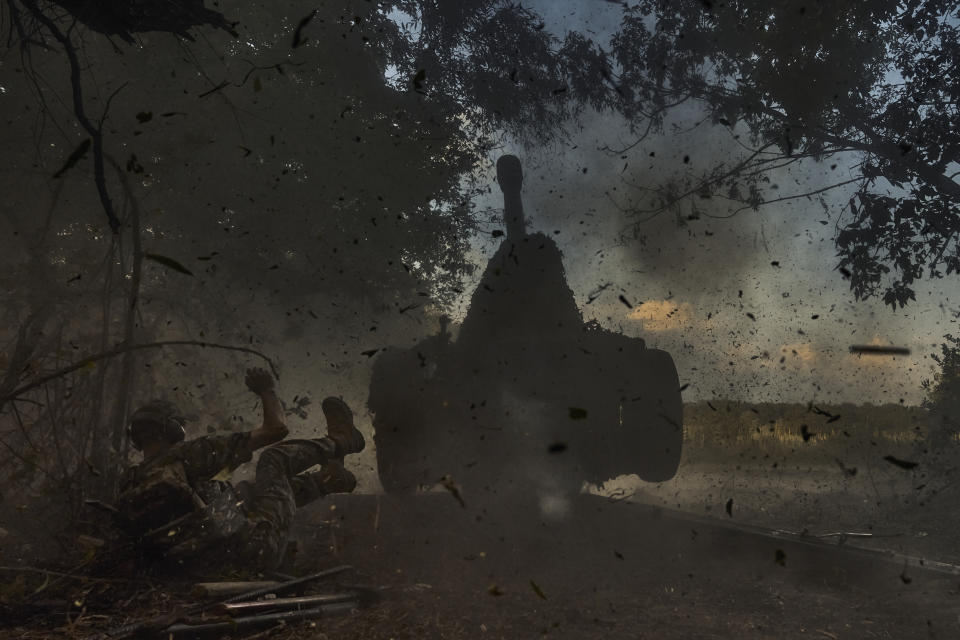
(265, 508)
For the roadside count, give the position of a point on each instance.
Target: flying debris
(903, 464)
(537, 590)
(879, 350)
(829, 416)
(298, 39)
(596, 293)
(447, 483)
(848, 471)
(169, 263)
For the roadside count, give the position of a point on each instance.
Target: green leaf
(170, 263)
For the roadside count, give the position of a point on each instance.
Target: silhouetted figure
(528, 396)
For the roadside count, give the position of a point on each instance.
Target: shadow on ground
(612, 570)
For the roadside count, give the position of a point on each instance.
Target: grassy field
(722, 431)
(814, 468)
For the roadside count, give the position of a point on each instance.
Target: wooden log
(90, 542)
(159, 622)
(221, 589)
(241, 625)
(302, 602)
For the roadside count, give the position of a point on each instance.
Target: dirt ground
(598, 568)
(901, 510)
(621, 570)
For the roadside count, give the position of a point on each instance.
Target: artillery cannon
(528, 393)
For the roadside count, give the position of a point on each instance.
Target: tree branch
(698, 188)
(783, 198)
(124, 349)
(876, 144)
(96, 134)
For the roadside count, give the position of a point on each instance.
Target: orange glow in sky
(662, 315)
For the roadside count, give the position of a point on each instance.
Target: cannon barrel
(510, 179)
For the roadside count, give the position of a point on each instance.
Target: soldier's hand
(259, 381)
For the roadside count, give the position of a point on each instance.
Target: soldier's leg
(274, 503)
(332, 478)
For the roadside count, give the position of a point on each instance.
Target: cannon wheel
(399, 400)
(655, 418)
(636, 421)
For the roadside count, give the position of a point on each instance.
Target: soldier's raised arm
(273, 428)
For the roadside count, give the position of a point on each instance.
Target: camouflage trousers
(279, 488)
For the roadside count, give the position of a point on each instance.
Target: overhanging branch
(96, 134)
(84, 362)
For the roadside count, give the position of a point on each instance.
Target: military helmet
(158, 418)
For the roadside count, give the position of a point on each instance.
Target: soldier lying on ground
(180, 506)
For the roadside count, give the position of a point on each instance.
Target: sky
(684, 282)
(694, 286)
(751, 307)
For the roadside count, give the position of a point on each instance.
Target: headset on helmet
(159, 417)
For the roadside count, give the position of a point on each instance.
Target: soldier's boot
(340, 428)
(331, 478)
(292, 457)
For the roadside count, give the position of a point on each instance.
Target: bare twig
(124, 349)
(79, 110)
(783, 198)
(62, 574)
(30, 463)
(633, 144)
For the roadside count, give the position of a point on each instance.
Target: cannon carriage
(527, 393)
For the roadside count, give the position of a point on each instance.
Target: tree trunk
(125, 387)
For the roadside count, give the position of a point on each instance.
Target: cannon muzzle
(510, 179)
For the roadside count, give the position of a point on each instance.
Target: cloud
(662, 315)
